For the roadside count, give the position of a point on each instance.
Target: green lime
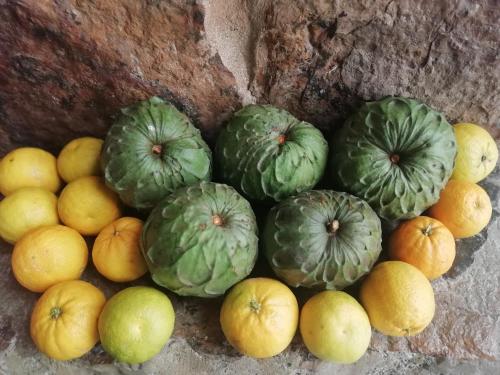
(136, 323)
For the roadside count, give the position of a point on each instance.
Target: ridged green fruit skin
(151, 150)
(268, 154)
(322, 239)
(200, 240)
(397, 154)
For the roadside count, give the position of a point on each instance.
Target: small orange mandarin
(116, 253)
(259, 317)
(463, 207)
(425, 243)
(64, 320)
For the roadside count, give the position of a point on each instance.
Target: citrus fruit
(80, 157)
(398, 298)
(88, 205)
(259, 317)
(26, 209)
(64, 320)
(425, 243)
(463, 207)
(28, 167)
(48, 255)
(136, 323)
(116, 253)
(335, 327)
(477, 153)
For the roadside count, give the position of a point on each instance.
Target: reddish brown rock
(66, 67)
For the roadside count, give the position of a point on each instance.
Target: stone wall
(67, 66)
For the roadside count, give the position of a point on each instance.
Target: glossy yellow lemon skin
(88, 205)
(26, 209)
(335, 327)
(477, 153)
(79, 158)
(64, 320)
(28, 167)
(259, 317)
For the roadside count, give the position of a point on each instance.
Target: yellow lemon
(26, 209)
(259, 317)
(116, 253)
(28, 167)
(335, 327)
(79, 158)
(88, 205)
(398, 298)
(48, 255)
(477, 153)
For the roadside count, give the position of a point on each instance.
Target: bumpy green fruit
(151, 150)
(322, 239)
(397, 154)
(265, 152)
(200, 240)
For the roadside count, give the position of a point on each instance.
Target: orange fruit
(88, 205)
(64, 320)
(463, 207)
(116, 252)
(425, 243)
(28, 167)
(80, 157)
(477, 153)
(26, 209)
(48, 255)
(398, 298)
(259, 317)
(335, 327)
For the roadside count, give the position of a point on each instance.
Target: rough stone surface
(319, 58)
(67, 66)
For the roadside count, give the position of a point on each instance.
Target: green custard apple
(268, 154)
(151, 150)
(322, 239)
(200, 240)
(397, 154)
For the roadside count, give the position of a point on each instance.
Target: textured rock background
(67, 66)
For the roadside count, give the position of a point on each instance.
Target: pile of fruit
(393, 160)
